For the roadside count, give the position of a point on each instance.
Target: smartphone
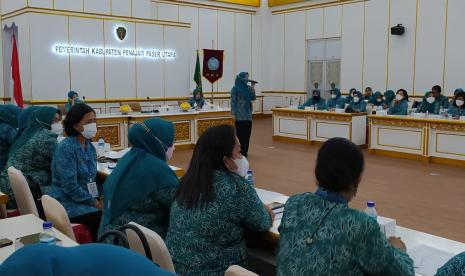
(4, 242)
(275, 205)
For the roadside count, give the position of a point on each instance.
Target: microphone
(252, 81)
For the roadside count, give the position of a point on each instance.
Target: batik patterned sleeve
(376, 256)
(456, 266)
(65, 171)
(253, 215)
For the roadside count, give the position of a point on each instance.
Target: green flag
(198, 75)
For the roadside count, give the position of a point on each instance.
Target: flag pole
(213, 45)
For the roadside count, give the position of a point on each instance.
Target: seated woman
(368, 96)
(336, 101)
(74, 168)
(454, 267)
(400, 105)
(351, 95)
(32, 153)
(321, 235)
(88, 259)
(213, 207)
(377, 99)
(73, 98)
(357, 104)
(143, 167)
(8, 130)
(23, 119)
(433, 101)
(457, 107)
(389, 96)
(197, 101)
(315, 101)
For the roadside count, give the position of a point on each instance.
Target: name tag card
(92, 188)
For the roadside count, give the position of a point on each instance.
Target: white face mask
(399, 97)
(333, 96)
(57, 128)
(356, 99)
(430, 100)
(242, 166)
(90, 130)
(379, 100)
(459, 103)
(169, 153)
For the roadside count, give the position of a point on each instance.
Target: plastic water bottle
(100, 147)
(371, 211)
(47, 236)
(249, 177)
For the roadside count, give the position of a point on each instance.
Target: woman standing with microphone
(242, 96)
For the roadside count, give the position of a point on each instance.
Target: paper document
(115, 155)
(427, 259)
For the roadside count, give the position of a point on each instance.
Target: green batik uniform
(339, 102)
(319, 104)
(142, 186)
(347, 241)
(399, 108)
(454, 267)
(434, 108)
(361, 106)
(208, 241)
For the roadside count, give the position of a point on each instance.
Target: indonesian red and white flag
(15, 81)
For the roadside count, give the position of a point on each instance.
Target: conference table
(188, 125)
(429, 252)
(313, 127)
(16, 227)
(431, 139)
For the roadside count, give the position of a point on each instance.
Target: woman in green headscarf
(357, 104)
(457, 107)
(389, 96)
(73, 98)
(197, 101)
(23, 118)
(336, 101)
(8, 130)
(377, 99)
(32, 152)
(142, 186)
(316, 101)
(242, 96)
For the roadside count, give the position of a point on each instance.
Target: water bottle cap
(249, 171)
(371, 204)
(47, 224)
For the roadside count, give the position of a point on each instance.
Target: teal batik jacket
(348, 242)
(456, 111)
(319, 104)
(33, 159)
(454, 267)
(7, 137)
(208, 241)
(400, 108)
(435, 107)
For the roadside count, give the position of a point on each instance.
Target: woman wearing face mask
(400, 105)
(433, 101)
(146, 168)
(316, 101)
(357, 104)
(74, 168)
(213, 207)
(32, 153)
(377, 99)
(197, 101)
(73, 98)
(8, 130)
(23, 119)
(351, 95)
(242, 96)
(321, 235)
(336, 100)
(457, 107)
(389, 97)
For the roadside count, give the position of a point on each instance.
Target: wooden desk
(113, 128)
(3, 198)
(426, 139)
(306, 126)
(16, 227)
(412, 238)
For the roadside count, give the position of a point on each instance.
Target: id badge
(92, 188)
